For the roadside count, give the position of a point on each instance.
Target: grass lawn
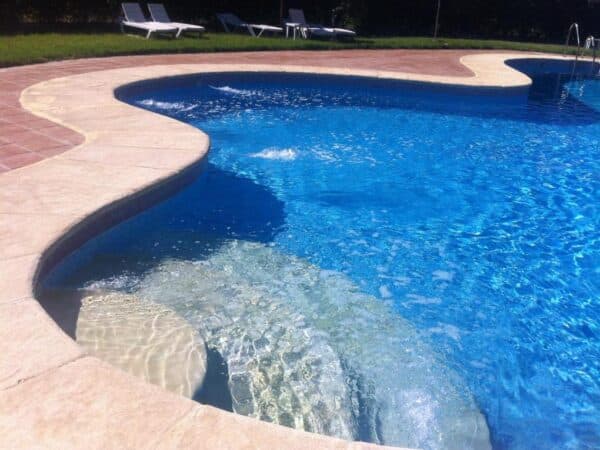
(36, 48)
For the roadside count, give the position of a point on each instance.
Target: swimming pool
(380, 260)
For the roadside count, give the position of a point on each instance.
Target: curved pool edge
(50, 208)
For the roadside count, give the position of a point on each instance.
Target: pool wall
(55, 395)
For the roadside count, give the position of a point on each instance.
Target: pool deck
(75, 161)
(25, 139)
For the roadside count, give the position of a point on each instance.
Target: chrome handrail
(574, 26)
(592, 43)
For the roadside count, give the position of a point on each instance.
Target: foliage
(538, 20)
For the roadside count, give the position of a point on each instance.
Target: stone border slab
(51, 393)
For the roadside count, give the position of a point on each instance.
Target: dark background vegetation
(529, 20)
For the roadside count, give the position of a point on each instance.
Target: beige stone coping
(52, 394)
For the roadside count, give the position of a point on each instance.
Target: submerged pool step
(306, 348)
(145, 339)
(280, 368)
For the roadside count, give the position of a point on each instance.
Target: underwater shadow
(217, 207)
(63, 306)
(215, 388)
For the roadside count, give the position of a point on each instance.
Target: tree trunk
(437, 19)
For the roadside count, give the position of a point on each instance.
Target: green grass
(36, 48)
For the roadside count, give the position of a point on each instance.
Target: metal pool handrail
(574, 26)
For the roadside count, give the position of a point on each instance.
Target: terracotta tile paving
(12, 149)
(20, 160)
(26, 139)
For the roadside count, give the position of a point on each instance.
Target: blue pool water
(385, 261)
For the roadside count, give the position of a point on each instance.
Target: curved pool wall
(109, 216)
(535, 66)
(587, 433)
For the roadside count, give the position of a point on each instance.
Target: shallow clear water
(384, 261)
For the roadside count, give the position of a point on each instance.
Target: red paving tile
(34, 142)
(48, 152)
(12, 114)
(24, 159)
(9, 130)
(9, 105)
(60, 133)
(39, 138)
(9, 96)
(10, 150)
(38, 124)
(16, 115)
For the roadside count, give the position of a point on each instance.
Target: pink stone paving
(26, 139)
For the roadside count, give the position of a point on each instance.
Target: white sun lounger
(159, 14)
(231, 21)
(297, 20)
(133, 17)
